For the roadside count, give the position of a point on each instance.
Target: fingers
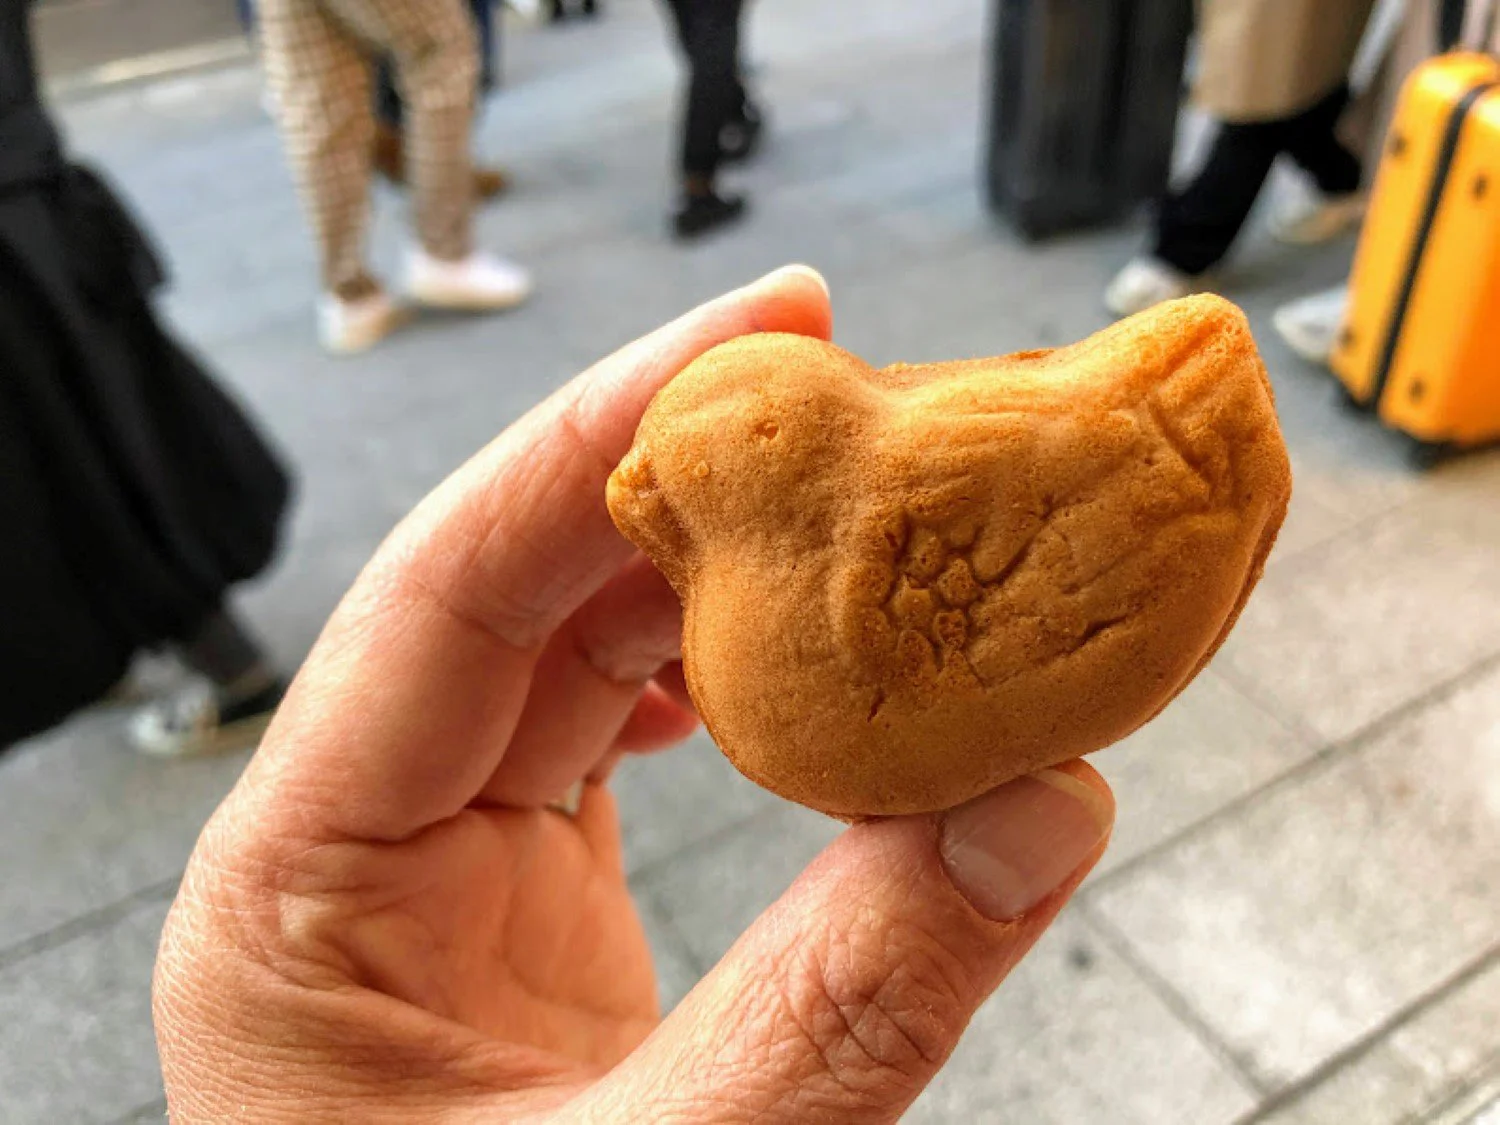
(540, 540)
(673, 680)
(587, 684)
(404, 709)
(658, 721)
(844, 999)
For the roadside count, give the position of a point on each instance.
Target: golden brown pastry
(903, 587)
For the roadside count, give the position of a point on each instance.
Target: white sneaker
(1145, 282)
(1304, 216)
(347, 327)
(195, 721)
(1310, 326)
(479, 283)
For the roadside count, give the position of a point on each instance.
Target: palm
(516, 923)
(382, 922)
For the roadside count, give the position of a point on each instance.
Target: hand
(386, 921)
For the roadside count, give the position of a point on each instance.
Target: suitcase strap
(1446, 155)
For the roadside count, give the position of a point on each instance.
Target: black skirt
(133, 491)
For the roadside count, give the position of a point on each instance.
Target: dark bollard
(1083, 101)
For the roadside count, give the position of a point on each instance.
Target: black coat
(133, 492)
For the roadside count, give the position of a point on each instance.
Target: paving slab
(153, 1113)
(670, 802)
(1416, 1071)
(1210, 747)
(1054, 1045)
(1309, 917)
(1352, 629)
(712, 891)
(76, 1043)
(1381, 590)
(1074, 1036)
(85, 822)
(676, 972)
(288, 607)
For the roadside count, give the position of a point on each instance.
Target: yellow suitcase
(1420, 344)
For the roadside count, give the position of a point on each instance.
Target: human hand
(385, 921)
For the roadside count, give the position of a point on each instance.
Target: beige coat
(1260, 60)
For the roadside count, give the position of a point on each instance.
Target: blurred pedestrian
(390, 144)
(390, 113)
(133, 493)
(1275, 75)
(320, 56)
(1310, 325)
(720, 120)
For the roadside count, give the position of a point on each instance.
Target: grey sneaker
(198, 720)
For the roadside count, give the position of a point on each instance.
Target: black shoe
(700, 214)
(590, 8)
(739, 140)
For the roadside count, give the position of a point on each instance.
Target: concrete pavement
(1299, 919)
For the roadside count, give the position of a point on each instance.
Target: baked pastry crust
(903, 587)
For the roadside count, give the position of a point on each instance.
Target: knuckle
(878, 1009)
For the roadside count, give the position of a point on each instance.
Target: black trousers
(709, 32)
(221, 648)
(1196, 227)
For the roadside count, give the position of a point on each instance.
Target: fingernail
(802, 270)
(1014, 846)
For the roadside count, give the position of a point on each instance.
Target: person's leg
(390, 146)
(242, 693)
(221, 649)
(1196, 227)
(681, 12)
(740, 137)
(320, 81)
(1310, 139)
(1450, 21)
(1335, 204)
(489, 181)
(389, 153)
(388, 110)
(484, 24)
(434, 45)
(711, 33)
(714, 93)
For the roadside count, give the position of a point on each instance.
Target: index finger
(404, 708)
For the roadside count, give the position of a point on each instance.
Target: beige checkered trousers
(319, 58)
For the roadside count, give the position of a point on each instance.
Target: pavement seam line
(1173, 1000)
(92, 921)
(1463, 1100)
(1372, 1038)
(156, 1107)
(1314, 763)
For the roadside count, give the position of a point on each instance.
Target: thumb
(842, 1001)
